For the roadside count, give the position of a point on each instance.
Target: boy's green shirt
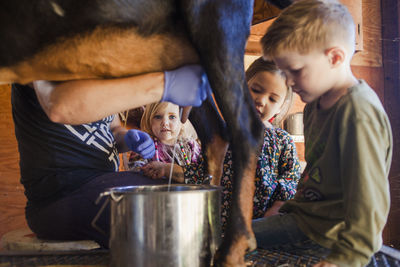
(343, 200)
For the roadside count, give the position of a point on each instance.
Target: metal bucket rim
(155, 189)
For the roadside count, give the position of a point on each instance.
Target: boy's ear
(336, 55)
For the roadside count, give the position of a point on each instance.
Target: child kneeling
(342, 200)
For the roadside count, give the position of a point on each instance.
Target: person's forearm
(83, 101)
(119, 134)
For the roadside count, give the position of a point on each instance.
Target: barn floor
(100, 258)
(265, 258)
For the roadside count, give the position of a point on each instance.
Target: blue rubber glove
(186, 86)
(141, 143)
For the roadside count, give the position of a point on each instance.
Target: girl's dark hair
(260, 65)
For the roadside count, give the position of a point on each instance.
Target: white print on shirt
(98, 134)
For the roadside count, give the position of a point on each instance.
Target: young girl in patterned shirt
(173, 141)
(278, 169)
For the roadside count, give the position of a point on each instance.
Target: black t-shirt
(56, 159)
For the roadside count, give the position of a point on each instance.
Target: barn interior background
(377, 61)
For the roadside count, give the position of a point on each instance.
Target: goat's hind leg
(212, 131)
(222, 55)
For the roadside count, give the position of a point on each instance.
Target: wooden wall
(12, 198)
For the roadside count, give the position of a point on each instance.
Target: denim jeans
(280, 232)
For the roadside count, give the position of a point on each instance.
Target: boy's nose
(289, 81)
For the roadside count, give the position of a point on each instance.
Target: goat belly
(105, 52)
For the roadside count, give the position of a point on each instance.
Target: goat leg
(222, 55)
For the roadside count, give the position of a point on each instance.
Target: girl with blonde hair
(174, 142)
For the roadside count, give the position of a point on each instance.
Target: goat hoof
(252, 243)
(229, 259)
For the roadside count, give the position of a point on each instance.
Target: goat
(65, 40)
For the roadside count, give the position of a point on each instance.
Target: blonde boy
(342, 201)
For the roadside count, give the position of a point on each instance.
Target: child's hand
(186, 86)
(324, 264)
(274, 209)
(156, 169)
(140, 142)
(134, 157)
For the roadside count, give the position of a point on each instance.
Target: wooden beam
(257, 31)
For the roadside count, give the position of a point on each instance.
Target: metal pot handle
(93, 223)
(114, 197)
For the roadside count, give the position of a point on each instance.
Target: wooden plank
(253, 46)
(371, 55)
(263, 11)
(373, 76)
(12, 198)
(355, 9)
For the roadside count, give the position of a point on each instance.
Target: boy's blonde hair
(260, 65)
(310, 24)
(148, 114)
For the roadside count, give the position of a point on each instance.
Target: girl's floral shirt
(277, 173)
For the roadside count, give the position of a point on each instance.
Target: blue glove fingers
(135, 135)
(149, 152)
(140, 142)
(200, 94)
(199, 90)
(146, 148)
(206, 88)
(131, 137)
(185, 86)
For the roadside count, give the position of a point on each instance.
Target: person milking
(69, 144)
